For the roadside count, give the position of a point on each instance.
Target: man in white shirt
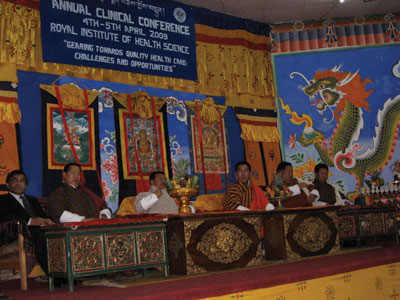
(156, 200)
(71, 203)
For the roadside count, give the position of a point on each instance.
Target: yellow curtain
(9, 116)
(258, 128)
(208, 109)
(250, 101)
(234, 62)
(141, 103)
(242, 66)
(71, 95)
(9, 160)
(9, 110)
(259, 133)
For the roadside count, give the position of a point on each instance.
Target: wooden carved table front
(91, 248)
(369, 222)
(300, 232)
(202, 242)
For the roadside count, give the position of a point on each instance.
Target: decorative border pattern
(150, 247)
(120, 250)
(87, 253)
(56, 255)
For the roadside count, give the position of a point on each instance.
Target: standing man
(16, 205)
(244, 195)
(156, 200)
(70, 202)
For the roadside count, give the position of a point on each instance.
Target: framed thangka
(143, 143)
(214, 145)
(81, 131)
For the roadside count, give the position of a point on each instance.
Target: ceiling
(277, 11)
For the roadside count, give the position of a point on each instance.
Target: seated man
(156, 200)
(16, 205)
(300, 190)
(244, 195)
(71, 203)
(323, 192)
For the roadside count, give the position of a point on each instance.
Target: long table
(367, 223)
(104, 246)
(300, 232)
(202, 242)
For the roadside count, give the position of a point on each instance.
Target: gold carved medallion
(312, 234)
(224, 243)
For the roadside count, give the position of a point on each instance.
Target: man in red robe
(71, 202)
(299, 190)
(325, 193)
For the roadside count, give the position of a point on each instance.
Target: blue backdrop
(177, 119)
(379, 71)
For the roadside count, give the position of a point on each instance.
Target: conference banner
(139, 36)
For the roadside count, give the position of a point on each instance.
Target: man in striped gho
(244, 195)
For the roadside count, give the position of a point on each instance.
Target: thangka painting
(214, 143)
(341, 108)
(142, 145)
(81, 132)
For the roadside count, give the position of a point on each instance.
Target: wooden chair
(12, 254)
(44, 201)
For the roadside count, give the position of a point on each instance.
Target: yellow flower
(298, 171)
(308, 167)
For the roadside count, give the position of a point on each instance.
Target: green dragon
(346, 93)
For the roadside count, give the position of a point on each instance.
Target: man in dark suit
(17, 206)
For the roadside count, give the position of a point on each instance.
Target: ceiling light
(341, 1)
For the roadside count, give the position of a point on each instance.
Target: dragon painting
(341, 97)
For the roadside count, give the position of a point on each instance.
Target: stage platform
(355, 273)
